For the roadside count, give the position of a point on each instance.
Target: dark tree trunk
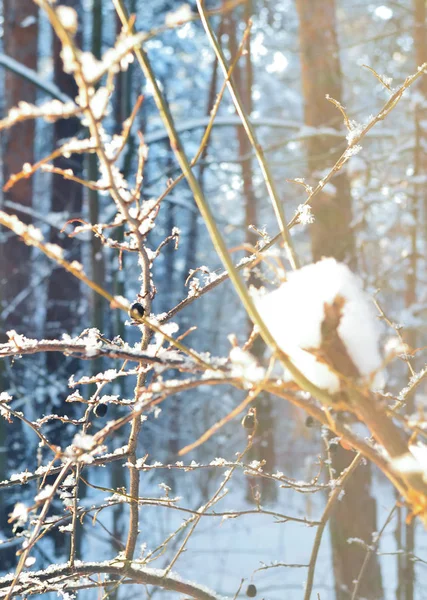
(331, 235)
(63, 289)
(96, 249)
(321, 75)
(20, 42)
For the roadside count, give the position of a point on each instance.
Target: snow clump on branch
(325, 298)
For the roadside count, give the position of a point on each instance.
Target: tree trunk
(63, 291)
(406, 566)
(331, 235)
(263, 445)
(97, 260)
(321, 75)
(20, 42)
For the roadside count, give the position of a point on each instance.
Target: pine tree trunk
(63, 290)
(20, 42)
(406, 567)
(331, 235)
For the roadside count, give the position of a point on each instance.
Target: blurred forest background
(373, 215)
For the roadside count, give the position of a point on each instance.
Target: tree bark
(96, 249)
(331, 235)
(63, 291)
(321, 75)
(263, 447)
(20, 42)
(406, 566)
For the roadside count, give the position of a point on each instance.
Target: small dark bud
(136, 311)
(310, 422)
(251, 591)
(248, 421)
(18, 529)
(100, 410)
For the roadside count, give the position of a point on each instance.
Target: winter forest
(213, 299)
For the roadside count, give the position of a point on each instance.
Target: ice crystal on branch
(178, 16)
(5, 398)
(305, 216)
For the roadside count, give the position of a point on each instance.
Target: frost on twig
(304, 214)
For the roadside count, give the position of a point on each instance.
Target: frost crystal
(352, 151)
(305, 216)
(294, 314)
(176, 17)
(355, 131)
(92, 342)
(218, 462)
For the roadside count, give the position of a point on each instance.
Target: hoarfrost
(305, 216)
(178, 16)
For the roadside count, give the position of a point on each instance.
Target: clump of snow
(44, 494)
(4, 408)
(68, 18)
(19, 514)
(244, 366)
(92, 342)
(295, 311)
(415, 461)
(83, 448)
(30, 561)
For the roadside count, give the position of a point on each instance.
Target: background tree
(16, 297)
(332, 235)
